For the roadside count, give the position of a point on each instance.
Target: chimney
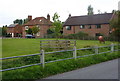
(48, 17)
(69, 15)
(29, 17)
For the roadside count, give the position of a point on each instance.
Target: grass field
(17, 47)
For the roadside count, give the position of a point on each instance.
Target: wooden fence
(74, 50)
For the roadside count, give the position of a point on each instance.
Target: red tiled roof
(39, 21)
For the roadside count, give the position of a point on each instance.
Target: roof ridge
(90, 15)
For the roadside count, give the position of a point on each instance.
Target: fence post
(96, 50)
(74, 52)
(112, 47)
(42, 58)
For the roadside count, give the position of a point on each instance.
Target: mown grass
(48, 57)
(37, 72)
(17, 47)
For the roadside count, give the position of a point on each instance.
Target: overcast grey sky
(20, 9)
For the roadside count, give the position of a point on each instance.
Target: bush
(79, 35)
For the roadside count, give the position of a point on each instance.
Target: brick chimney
(48, 17)
(29, 17)
(69, 15)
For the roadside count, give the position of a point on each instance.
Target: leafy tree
(115, 24)
(35, 30)
(113, 11)
(90, 10)
(49, 31)
(18, 21)
(56, 25)
(4, 31)
(99, 11)
(29, 31)
(105, 12)
(0, 31)
(25, 21)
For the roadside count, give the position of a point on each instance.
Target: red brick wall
(10, 29)
(67, 32)
(91, 32)
(18, 29)
(24, 31)
(43, 30)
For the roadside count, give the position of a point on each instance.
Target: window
(38, 34)
(82, 26)
(68, 27)
(40, 20)
(98, 34)
(38, 26)
(89, 27)
(26, 27)
(98, 26)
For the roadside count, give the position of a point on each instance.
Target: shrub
(79, 35)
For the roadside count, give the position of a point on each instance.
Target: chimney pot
(29, 17)
(69, 15)
(48, 17)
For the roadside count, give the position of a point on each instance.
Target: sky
(20, 9)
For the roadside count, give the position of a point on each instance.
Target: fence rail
(43, 53)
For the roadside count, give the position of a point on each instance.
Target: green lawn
(17, 47)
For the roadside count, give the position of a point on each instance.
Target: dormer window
(26, 27)
(68, 27)
(82, 26)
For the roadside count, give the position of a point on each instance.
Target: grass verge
(37, 72)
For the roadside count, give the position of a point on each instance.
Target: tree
(56, 25)
(105, 12)
(113, 11)
(25, 21)
(29, 31)
(115, 24)
(35, 30)
(18, 21)
(0, 31)
(90, 10)
(49, 31)
(99, 11)
(4, 31)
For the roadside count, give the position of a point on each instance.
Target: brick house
(93, 25)
(41, 22)
(15, 30)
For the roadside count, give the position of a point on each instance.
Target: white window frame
(68, 28)
(82, 26)
(38, 34)
(26, 27)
